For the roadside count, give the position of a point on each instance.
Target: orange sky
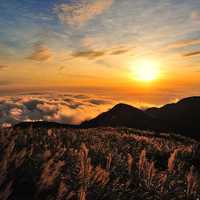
(63, 47)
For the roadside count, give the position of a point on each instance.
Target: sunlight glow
(146, 70)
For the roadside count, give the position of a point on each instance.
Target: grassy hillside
(99, 163)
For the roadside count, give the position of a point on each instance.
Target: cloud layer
(79, 12)
(63, 108)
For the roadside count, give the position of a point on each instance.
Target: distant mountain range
(182, 117)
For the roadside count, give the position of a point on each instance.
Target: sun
(145, 70)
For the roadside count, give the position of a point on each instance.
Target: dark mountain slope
(182, 117)
(122, 115)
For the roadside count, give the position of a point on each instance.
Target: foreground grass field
(101, 163)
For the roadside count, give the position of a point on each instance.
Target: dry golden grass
(101, 163)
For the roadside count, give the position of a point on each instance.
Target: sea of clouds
(63, 108)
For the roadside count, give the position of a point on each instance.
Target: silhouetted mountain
(122, 115)
(182, 117)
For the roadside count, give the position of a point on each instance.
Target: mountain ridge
(181, 117)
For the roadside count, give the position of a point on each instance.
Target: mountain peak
(122, 115)
(190, 99)
(122, 107)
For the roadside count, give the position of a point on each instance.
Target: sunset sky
(97, 47)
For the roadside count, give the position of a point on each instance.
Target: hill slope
(97, 164)
(182, 117)
(122, 115)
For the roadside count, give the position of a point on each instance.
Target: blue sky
(26, 21)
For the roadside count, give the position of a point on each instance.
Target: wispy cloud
(90, 54)
(79, 12)
(119, 51)
(91, 42)
(41, 53)
(195, 15)
(183, 43)
(194, 53)
(2, 67)
(93, 54)
(5, 82)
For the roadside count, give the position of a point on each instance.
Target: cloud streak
(194, 53)
(79, 12)
(93, 54)
(2, 67)
(41, 53)
(88, 54)
(183, 43)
